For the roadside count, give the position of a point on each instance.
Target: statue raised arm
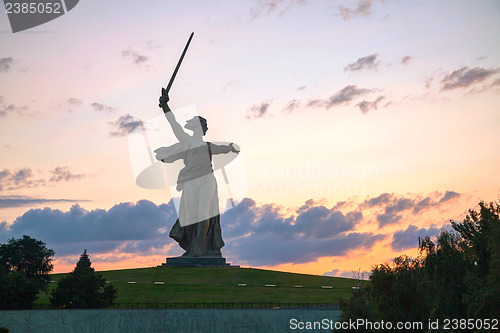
(176, 127)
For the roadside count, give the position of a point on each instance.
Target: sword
(165, 91)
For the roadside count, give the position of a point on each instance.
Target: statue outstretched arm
(224, 149)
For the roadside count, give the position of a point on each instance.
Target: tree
(360, 305)
(445, 264)
(83, 288)
(481, 233)
(455, 276)
(392, 294)
(463, 267)
(28, 255)
(25, 265)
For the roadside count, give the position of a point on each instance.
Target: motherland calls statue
(197, 229)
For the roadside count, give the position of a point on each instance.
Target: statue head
(197, 123)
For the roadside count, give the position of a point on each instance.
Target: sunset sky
(363, 125)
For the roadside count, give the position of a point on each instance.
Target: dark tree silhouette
(455, 276)
(25, 264)
(83, 288)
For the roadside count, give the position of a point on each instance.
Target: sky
(362, 124)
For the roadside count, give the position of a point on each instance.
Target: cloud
(388, 218)
(11, 201)
(449, 195)
(405, 60)
(19, 178)
(151, 46)
(74, 101)
(368, 62)
(395, 204)
(102, 108)
(390, 215)
(313, 221)
(390, 206)
(366, 106)
(292, 106)
(11, 109)
(268, 7)
(400, 205)
(379, 200)
(6, 64)
(64, 174)
(363, 8)
(408, 238)
(343, 96)
(423, 204)
(364, 275)
(129, 227)
(124, 125)
(311, 203)
(465, 77)
(25, 178)
(264, 235)
(70, 104)
(228, 84)
(429, 202)
(136, 58)
(267, 250)
(428, 82)
(333, 272)
(258, 111)
(327, 223)
(346, 95)
(255, 234)
(271, 6)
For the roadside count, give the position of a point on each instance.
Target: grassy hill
(192, 284)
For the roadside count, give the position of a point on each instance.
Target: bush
(83, 288)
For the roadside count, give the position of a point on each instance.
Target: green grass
(192, 284)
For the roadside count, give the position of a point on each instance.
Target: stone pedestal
(197, 262)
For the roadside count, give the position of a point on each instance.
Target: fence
(217, 305)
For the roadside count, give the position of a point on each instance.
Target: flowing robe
(197, 229)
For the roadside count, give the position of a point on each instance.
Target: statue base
(197, 262)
